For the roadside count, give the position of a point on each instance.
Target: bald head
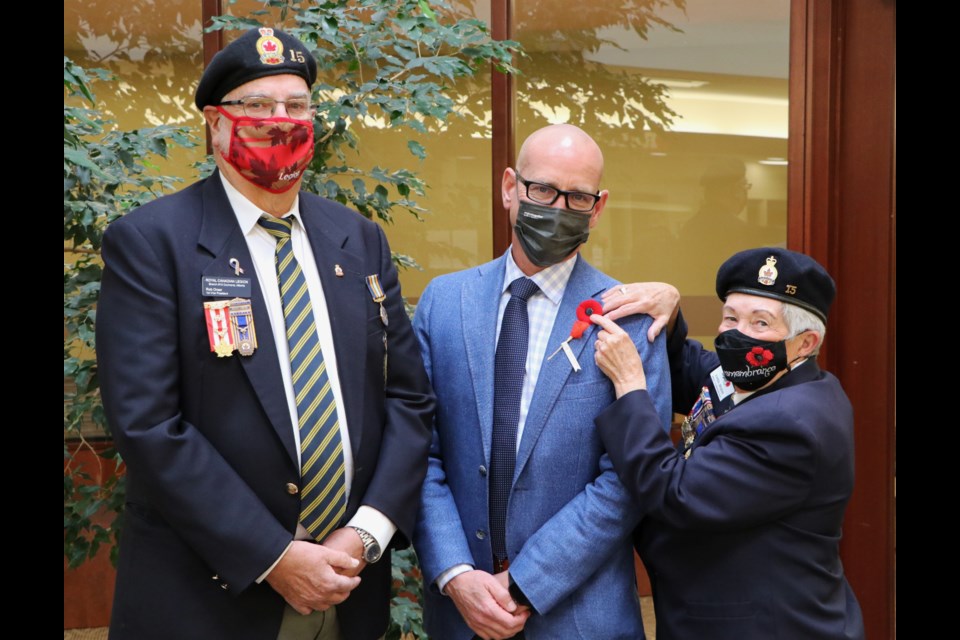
(558, 158)
(560, 143)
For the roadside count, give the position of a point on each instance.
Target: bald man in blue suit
(568, 570)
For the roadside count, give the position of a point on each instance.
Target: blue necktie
(509, 369)
(323, 490)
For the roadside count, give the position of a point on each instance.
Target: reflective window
(154, 48)
(690, 109)
(456, 230)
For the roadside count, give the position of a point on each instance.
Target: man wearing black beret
(261, 381)
(743, 518)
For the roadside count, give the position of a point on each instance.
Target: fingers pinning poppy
(587, 308)
(584, 310)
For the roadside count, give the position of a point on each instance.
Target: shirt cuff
(450, 574)
(263, 576)
(374, 523)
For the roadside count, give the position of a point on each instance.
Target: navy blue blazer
(569, 518)
(208, 441)
(741, 538)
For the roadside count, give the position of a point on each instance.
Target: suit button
(292, 489)
(481, 534)
(483, 471)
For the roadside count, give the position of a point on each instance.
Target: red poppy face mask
(271, 153)
(749, 363)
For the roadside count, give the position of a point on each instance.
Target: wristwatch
(371, 548)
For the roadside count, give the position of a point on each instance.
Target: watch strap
(370, 544)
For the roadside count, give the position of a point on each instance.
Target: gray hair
(799, 320)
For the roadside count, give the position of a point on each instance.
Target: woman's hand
(617, 357)
(659, 300)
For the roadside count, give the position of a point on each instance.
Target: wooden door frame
(842, 211)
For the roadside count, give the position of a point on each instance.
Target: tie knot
(277, 227)
(523, 288)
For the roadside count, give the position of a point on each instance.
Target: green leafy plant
(406, 603)
(106, 172)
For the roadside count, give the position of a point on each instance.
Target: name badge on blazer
(723, 386)
(226, 287)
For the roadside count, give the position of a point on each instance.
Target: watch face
(372, 553)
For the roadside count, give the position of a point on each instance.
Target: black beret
(257, 53)
(780, 274)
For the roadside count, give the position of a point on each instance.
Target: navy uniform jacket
(208, 442)
(741, 538)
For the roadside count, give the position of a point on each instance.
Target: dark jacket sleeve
(756, 467)
(690, 366)
(395, 487)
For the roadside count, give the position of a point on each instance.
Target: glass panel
(154, 49)
(690, 109)
(456, 230)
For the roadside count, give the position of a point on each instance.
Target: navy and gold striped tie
(323, 491)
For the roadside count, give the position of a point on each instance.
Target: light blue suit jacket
(569, 519)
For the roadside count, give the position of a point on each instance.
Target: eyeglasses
(261, 107)
(545, 194)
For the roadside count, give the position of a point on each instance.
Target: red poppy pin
(585, 309)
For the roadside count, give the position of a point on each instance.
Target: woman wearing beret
(742, 520)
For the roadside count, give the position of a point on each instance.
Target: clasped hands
(314, 577)
(485, 603)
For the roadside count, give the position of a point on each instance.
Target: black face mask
(547, 234)
(749, 363)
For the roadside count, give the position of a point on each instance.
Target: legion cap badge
(768, 272)
(269, 47)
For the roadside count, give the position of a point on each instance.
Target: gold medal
(224, 350)
(217, 314)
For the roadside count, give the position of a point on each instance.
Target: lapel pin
(237, 270)
(337, 271)
(586, 309)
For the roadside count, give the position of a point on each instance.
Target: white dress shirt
(262, 248)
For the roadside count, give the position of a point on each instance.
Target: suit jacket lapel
(221, 236)
(479, 306)
(584, 283)
(347, 302)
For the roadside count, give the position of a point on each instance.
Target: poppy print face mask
(271, 153)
